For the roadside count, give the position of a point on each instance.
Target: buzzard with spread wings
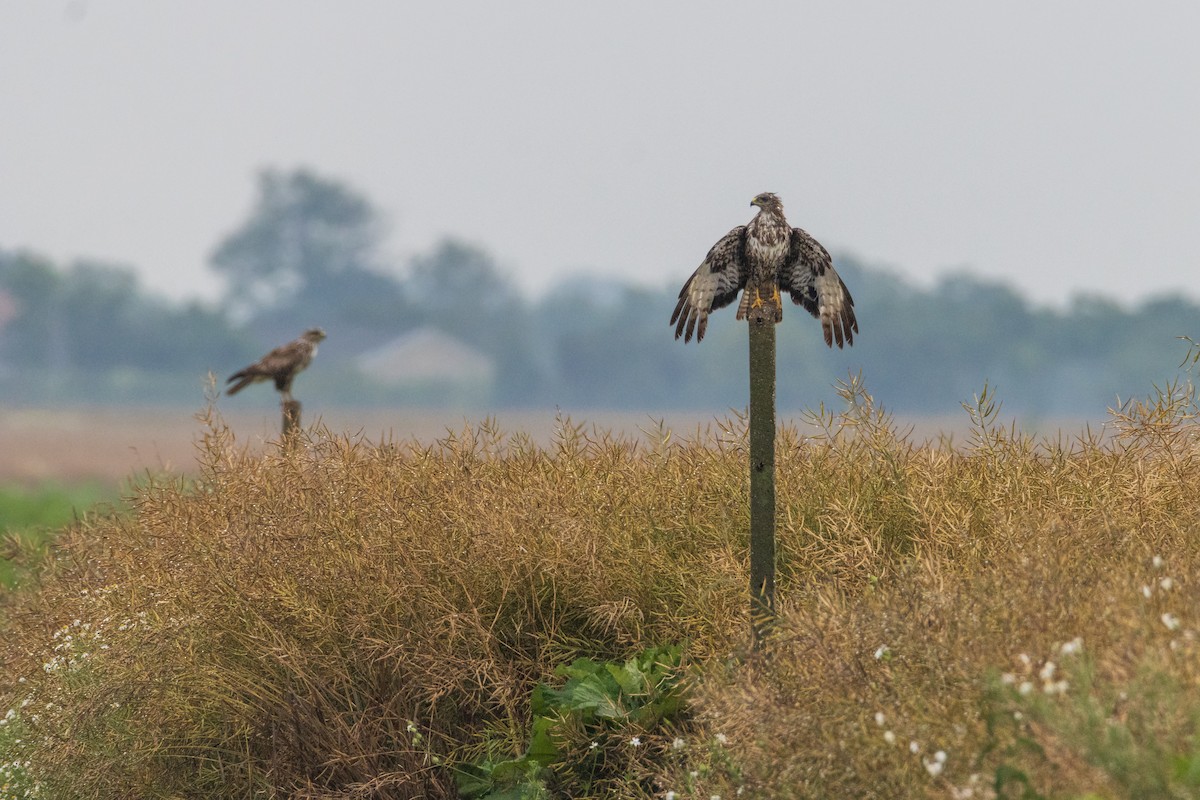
(280, 365)
(764, 258)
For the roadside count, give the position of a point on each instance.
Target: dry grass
(938, 585)
(280, 626)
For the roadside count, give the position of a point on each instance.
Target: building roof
(426, 355)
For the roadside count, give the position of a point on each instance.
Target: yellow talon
(775, 298)
(757, 302)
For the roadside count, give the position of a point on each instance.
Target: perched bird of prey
(280, 365)
(765, 257)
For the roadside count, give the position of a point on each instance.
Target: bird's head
(314, 335)
(767, 200)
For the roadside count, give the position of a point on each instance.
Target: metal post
(762, 478)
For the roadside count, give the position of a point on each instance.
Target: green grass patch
(30, 517)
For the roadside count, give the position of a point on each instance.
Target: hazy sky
(1054, 143)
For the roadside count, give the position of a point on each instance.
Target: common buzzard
(765, 257)
(280, 365)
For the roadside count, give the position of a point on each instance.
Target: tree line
(309, 254)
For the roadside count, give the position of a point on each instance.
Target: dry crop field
(491, 615)
(114, 444)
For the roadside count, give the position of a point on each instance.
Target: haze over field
(1053, 145)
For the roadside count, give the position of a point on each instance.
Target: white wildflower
(678, 744)
(1170, 620)
(1008, 678)
(1147, 591)
(1073, 647)
(722, 738)
(669, 795)
(933, 766)
(1025, 688)
(879, 718)
(1047, 671)
(636, 741)
(1166, 584)
(882, 651)
(914, 746)
(1157, 561)
(889, 737)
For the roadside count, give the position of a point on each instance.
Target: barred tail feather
(245, 380)
(744, 305)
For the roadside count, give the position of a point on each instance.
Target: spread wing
(808, 275)
(714, 284)
(279, 361)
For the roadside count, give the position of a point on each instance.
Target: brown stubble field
(114, 444)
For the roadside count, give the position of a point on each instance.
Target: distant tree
(36, 335)
(95, 317)
(604, 343)
(309, 244)
(459, 289)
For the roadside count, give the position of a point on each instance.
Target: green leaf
(542, 700)
(579, 668)
(591, 695)
(514, 770)
(473, 780)
(630, 677)
(542, 748)
(528, 791)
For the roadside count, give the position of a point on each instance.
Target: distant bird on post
(765, 257)
(280, 365)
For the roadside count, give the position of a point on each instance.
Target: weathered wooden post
(291, 418)
(765, 260)
(762, 478)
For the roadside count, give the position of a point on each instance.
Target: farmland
(487, 613)
(111, 445)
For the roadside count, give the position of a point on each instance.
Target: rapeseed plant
(341, 618)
